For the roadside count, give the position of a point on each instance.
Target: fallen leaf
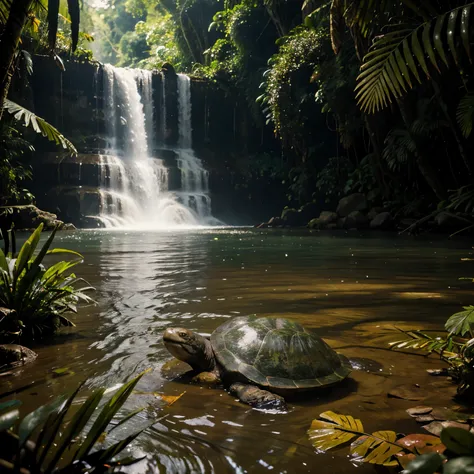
(419, 410)
(420, 443)
(435, 427)
(438, 372)
(405, 459)
(424, 419)
(170, 399)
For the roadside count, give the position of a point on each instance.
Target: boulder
(372, 214)
(328, 217)
(309, 211)
(383, 220)
(341, 223)
(352, 203)
(291, 217)
(356, 220)
(326, 220)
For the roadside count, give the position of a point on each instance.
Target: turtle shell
(277, 353)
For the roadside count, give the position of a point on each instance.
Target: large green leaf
(425, 464)
(105, 416)
(458, 441)
(461, 323)
(39, 125)
(462, 465)
(8, 419)
(384, 72)
(465, 114)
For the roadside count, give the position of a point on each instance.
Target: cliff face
(222, 133)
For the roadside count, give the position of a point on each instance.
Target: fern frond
(39, 125)
(399, 55)
(465, 113)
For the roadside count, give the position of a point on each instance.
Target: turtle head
(190, 347)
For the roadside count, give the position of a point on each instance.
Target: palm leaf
(39, 125)
(384, 72)
(465, 114)
(461, 323)
(5, 7)
(376, 448)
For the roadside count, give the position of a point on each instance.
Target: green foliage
(39, 125)
(398, 57)
(14, 170)
(333, 177)
(53, 437)
(39, 296)
(286, 83)
(465, 113)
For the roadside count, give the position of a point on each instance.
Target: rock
(383, 220)
(328, 217)
(291, 217)
(354, 202)
(309, 211)
(275, 222)
(69, 227)
(263, 225)
(446, 220)
(406, 222)
(374, 211)
(356, 220)
(341, 223)
(13, 355)
(91, 222)
(30, 217)
(326, 220)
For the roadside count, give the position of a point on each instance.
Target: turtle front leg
(207, 378)
(258, 398)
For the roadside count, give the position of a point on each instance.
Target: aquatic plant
(451, 453)
(52, 437)
(38, 296)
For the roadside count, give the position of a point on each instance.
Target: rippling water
(354, 289)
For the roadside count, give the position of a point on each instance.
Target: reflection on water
(353, 289)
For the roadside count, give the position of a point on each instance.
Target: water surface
(353, 289)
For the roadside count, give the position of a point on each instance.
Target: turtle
(260, 359)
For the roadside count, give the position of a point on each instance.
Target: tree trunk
(424, 165)
(376, 159)
(9, 44)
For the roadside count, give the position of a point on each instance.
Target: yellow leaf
(170, 399)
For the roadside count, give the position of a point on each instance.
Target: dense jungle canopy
(363, 96)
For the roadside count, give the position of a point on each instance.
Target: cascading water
(134, 186)
(194, 178)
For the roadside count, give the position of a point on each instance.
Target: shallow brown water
(354, 289)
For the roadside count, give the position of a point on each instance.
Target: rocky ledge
(353, 213)
(28, 217)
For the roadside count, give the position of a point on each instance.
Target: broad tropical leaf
(399, 55)
(465, 114)
(39, 125)
(458, 441)
(376, 448)
(425, 464)
(461, 323)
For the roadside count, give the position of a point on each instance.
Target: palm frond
(39, 125)
(465, 113)
(397, 57)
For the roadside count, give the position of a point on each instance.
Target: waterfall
(133, 188)
(194, 178)
(133, 185)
